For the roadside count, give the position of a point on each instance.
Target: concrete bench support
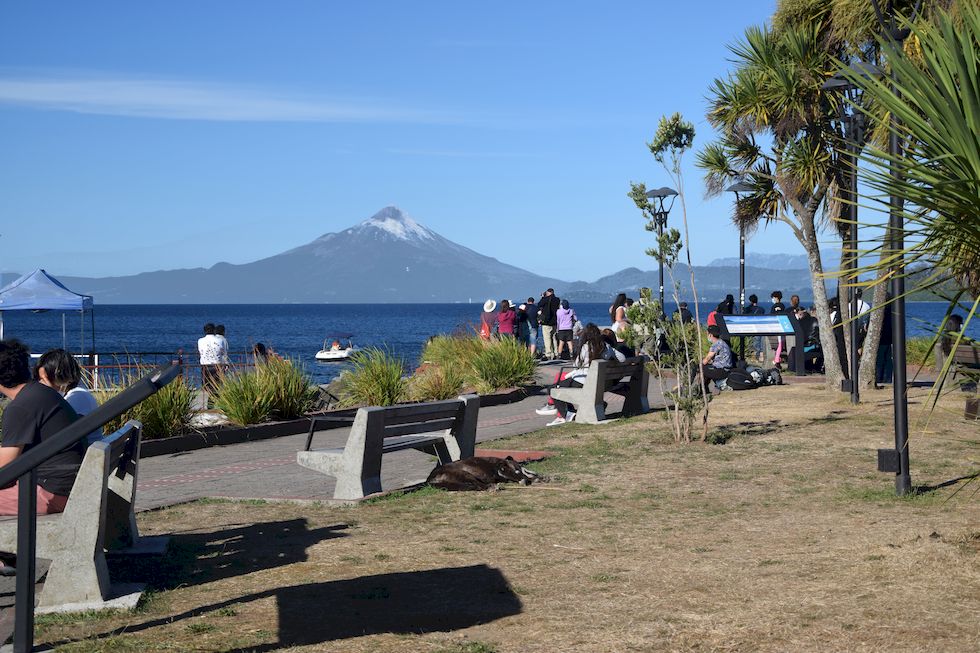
(99, 516)
(446, 429)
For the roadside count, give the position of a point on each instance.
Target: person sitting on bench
(717, 364)
(594, 347)
(34, 414)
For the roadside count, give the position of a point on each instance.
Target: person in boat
(335, 346)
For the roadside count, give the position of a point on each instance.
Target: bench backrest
(455, 417)
(967, 354)
(616, 370)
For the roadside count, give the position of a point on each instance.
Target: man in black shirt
(34, 414)
(548, 319)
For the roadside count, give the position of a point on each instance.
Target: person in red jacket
(506, 320)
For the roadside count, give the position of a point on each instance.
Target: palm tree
(936, 101)
(777, 135)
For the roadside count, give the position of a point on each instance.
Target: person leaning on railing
(35, 413)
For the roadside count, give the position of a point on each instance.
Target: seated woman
(59, 370)
(35, 414)
(594, 347)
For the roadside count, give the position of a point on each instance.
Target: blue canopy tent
(39, 291)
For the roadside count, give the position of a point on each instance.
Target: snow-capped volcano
(392, 220)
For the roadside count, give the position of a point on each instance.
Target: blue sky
(149, 135)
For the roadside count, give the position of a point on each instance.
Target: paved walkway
(267, 469)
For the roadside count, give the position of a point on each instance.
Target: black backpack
(741, 380)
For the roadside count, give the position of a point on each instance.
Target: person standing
(506, 320)
(488, 319)
(531, 317)
(219, 332)
(35, 413)
(209, 350)
(548, 319)
(777, 302)
(620, 300)
(565, 321)
(753, 308)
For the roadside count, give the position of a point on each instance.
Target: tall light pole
(896, 243)
(852, 122)
(740, 187)
(659, 196)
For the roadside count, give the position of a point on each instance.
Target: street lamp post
(903, 478)
(852, 121)
(659, 196)
(740, 187)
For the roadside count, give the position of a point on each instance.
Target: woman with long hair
(619, 302)
(594, 347)
(58, 369)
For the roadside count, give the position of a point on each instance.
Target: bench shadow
(196, 558)
(416, 602)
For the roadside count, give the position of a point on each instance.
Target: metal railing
(23, 470)
(106, 370)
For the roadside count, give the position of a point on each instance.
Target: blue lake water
(297, 330)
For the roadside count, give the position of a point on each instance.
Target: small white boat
(339, 348)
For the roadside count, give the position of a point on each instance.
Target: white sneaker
(547, 410)
(555, 422)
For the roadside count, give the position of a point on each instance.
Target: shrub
(502, 363)
(163, 414)
(290, 392)
(244, 398)
(437, 383)
(376, 378)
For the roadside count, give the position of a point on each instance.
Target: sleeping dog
(481, 473)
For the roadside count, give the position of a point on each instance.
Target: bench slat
(431, 413)
(409, 442)
(419, 427)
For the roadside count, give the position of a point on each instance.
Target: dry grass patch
(783, 538)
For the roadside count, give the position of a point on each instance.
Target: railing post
(26, 562)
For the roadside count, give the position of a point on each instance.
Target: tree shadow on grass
(723, 433)
(434, 600)
(196, 558)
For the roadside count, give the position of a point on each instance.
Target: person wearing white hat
(488, 319)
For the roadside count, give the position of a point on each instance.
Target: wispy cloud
(193, 100)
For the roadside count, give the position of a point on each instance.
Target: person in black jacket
(548, 319)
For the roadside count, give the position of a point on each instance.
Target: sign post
(780, 324)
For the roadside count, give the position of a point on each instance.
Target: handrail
(81, 427)
(23, 469)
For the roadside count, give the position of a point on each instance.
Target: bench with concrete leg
(98, 517)
(609, 376)
(446, 429)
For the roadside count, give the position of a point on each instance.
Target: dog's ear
(510, 458)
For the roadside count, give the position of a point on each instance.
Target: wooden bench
(446, 429)
(605, 376)
(963, 361)
(99, 516)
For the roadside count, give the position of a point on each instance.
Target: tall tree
(777, 135)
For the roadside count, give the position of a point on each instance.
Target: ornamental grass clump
(452, 351)
(377, 378)
(163, 414)
(288, 388)
(244, 398)
(435, 383)
(504, 363)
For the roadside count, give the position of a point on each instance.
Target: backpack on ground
(774, 376)
(741, 380)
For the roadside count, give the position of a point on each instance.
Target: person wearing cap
(488, 319)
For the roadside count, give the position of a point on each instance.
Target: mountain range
(391, 258)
